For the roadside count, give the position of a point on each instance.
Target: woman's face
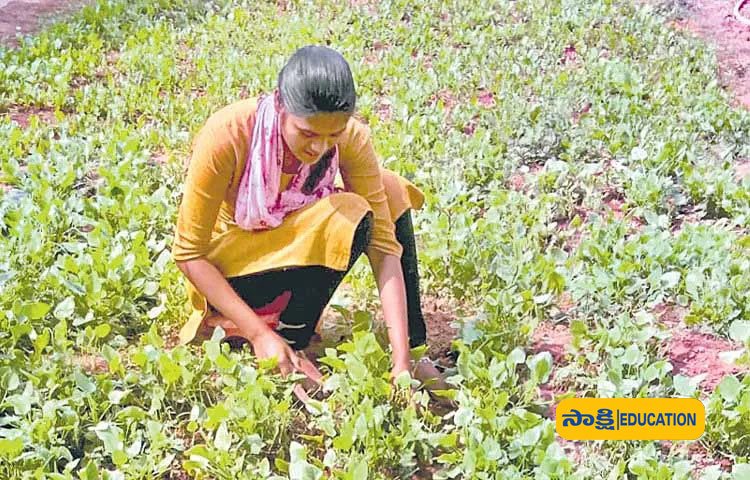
(308, 138)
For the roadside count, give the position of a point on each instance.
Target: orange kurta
(318, 234)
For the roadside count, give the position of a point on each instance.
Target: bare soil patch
(554, 338)
(714, 21)
(28, 16)
(91, 364)
(693, 352)
(22, 115)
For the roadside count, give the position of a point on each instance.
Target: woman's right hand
(270, 344)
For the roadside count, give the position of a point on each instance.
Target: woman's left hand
(400, 367)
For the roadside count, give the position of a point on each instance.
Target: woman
(265, 237)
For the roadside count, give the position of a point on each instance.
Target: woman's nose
(322, 145)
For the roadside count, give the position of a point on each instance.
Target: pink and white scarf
(259, 205)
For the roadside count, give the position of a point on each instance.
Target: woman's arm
(211, 169)
(390, 280)
(266, 343)
(361, 174)
(212, 284)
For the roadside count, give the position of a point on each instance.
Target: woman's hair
(317, 80)
(317, 171)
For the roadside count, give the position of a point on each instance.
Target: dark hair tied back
(317, 80)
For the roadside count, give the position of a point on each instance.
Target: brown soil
(471, 126)
(517, 182)
(439, 313)
(714, 21)
(27, 16)
(91, 364)
(552, 338)
(384, 109)
(445, 96)
(486, 98)
(22, 115)
(693, 352)
(703, 459)
(555, 339)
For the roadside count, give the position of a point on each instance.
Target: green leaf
(517, 356)
(638, 154)
(299, 468)
(38, 310)
(21, 404)
(356, 369)
(102, 330)
(449, 440)
(531, 436)
(739, 331)
(213, 349)
(729, 388)
(686, 386)
(110, 435)
(151, 288)
(741, 471)
(606, 388)
(169, 370)
(216, 415)
(345, 440)
(281, 464)
(712, 472)
(359, 470)
(223, 440)
(153, 338)
(119, 458)
(633, 355)
(10, 448)
(541, 366)
(694, 282)
(91, 472)
(670, 279)
(64, 309)
(9, 380)
(362, 321)
(84, 383)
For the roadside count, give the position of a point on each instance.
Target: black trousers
(312, 287)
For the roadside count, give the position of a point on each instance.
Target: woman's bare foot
(426, 372)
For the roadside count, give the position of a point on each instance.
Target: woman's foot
(426, 372)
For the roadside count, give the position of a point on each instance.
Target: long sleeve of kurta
(208, 179)
(362, 175)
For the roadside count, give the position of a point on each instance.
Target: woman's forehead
(323, 123)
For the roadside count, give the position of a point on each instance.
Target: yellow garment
(318, 234)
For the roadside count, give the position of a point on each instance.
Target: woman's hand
(399, 367)
(270, 344)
